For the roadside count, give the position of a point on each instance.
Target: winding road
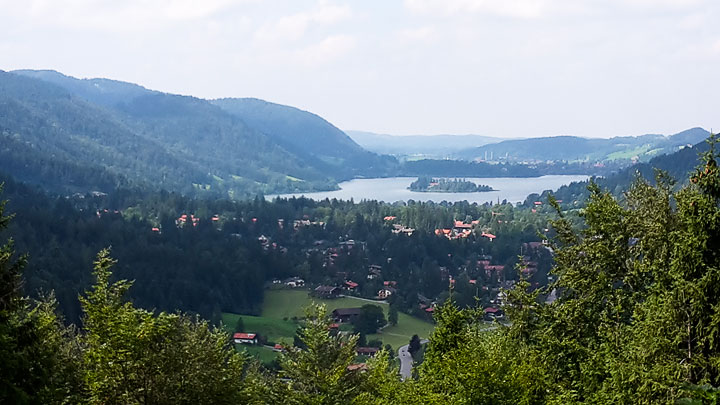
(406, 360)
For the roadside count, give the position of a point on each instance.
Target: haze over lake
(392, 189)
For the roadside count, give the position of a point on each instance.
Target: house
(389, 218)
(348, 243)
(278, 348)
(460, 225)
(497, 268)
(344, 315)
(366, 351)
(390, 283)
(444, 232)
(351, 285)
(492, 313)
(488, 235)
(397, 229)
(326, 291)
(294, 282)
(386, 292)
(374, 271)
(360, 367)
(245, 338)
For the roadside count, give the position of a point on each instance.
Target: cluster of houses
(100, 213)
(402, 229)
(184, 219)
(292, 282)
(389, 287)
(299, 223)
(399, 228)
(461, 229)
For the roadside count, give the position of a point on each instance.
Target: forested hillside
(310, 137)
(81, 135)
(678, 165)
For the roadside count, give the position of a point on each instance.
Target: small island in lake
(441, 185)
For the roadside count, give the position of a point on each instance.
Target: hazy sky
(493, 67)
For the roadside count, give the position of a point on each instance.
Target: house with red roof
(461, 225)
(488, 235)
(245, 338)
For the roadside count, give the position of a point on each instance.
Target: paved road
(406, 360)
(364, 299)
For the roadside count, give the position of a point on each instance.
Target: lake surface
(392, 189)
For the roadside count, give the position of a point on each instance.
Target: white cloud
(293, 27)
(326, 50)
(505, 8)
(421, 34)
(115, 16)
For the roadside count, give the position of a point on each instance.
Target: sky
(507, 68)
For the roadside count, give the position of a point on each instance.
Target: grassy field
(401, 333)
(262, 353)
(275, 330)
(280, 304)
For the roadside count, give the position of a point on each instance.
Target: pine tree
(318, 372)
(36, 357)
(134, 356)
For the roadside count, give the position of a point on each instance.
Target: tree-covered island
(442, 185)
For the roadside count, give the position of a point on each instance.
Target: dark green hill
(97, 91)
(308, 136)
(94, 134)
(573, 148)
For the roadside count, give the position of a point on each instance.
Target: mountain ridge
(150, 138)
(575, 148)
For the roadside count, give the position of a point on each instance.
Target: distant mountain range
(430, 146)
(573, 148)
(69, 134)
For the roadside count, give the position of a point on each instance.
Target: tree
(240, 325)
(134, 356)
(318, 372)
(393, 315)
(370, 320)
(36, 355)
(636, 315)
(414, 345)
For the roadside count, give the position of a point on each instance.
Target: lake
(392, 189)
